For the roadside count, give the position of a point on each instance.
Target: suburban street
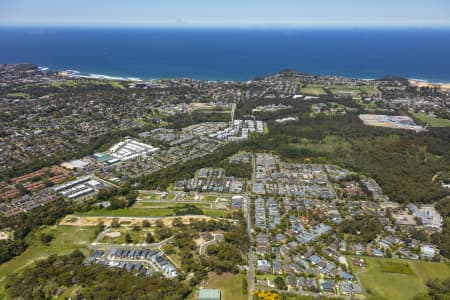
(251, 270)
(251, 274)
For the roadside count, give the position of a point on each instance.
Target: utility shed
(209, 294)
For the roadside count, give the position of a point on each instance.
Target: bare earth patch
(113, 234)
(200, 241)
(4, 235)
(72, 220)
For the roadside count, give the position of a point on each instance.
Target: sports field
(65, 240)
(229, 284)
(353, 91)
(398, 278)
(315, 90)
(432, 121)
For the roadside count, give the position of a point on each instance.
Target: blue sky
(227, 13)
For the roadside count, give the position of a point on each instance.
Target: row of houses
(27, 203)
(211, 180)
(260, 214)
(156, 257)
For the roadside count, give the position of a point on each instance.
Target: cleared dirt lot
(72, 220)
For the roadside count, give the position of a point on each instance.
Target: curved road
(217, 238)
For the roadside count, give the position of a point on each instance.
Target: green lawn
(18, 95)
(395, 267)
(175, 255)
(146, 209)
(87, 82)
(145, 205)
(353, 91)
(229, 284)
(368, 89)
(170, 196)
(432, 121)
(137, 237)
(315, 90)
(155, 196)
(209, 198)
(216, 213)
(167, 204)
(149, 196)
(398, 279)
(329, 144)
(66, 239)
(128, 212)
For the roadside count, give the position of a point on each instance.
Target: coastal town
(166, 170)
(91, 115)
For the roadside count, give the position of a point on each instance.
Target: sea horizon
(232, 54)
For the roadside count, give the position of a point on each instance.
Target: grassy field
(151, 209)
(229, 284)
(66, 239)
(87, 82)
(315, 90)
(216, 213)
(151, 204)
(367, 105)
(388, 266)
(432, 121)
(209, 198)
(137, 237)
(329, 144)
(129, 212)
(396, 278)
(146, 196)
(353, 91)
(17, 95)
(340, 90)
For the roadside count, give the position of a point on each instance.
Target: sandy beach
(417, 83)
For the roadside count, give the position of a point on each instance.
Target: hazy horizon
(227, 14)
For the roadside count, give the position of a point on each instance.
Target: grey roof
(209, 294)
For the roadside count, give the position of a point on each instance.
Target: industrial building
(130, 149)
(80, 188)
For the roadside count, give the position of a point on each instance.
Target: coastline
(78, 74)
(424, 83)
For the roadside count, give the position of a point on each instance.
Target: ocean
(232, 54)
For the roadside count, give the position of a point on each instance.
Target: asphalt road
(217, 238)
(251, 271)
(96, 245)
(251, 264)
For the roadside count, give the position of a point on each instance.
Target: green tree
(149, 238)
(115, 223)
(128, 238)
(46, 238)
(280, 283)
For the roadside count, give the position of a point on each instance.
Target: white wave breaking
(78, 74)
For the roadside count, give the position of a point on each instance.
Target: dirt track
(72, 220)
